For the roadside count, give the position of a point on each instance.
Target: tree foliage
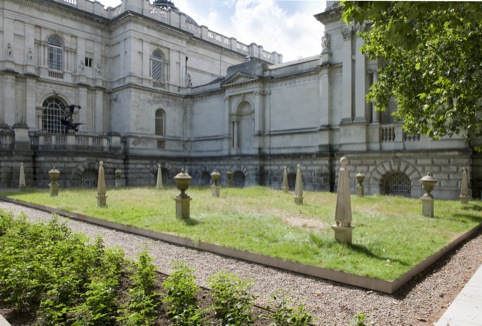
(432, 62)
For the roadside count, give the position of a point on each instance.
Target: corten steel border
(328, 274)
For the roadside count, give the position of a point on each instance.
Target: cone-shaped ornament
(298, 187)
(159, 177)
(285, 180)
(464, 188)
(21, 181)
(101, 188)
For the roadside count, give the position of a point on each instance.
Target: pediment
(239, 78)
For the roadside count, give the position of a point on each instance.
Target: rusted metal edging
(328, 274)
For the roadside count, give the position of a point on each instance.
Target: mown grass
(390, 236)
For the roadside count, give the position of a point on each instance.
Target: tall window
(55, 51)
(157, 65)
(160, 122)
(52, 113)
(160, 127)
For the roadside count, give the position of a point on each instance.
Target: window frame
(55, 53)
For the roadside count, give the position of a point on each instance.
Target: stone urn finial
(183, 180)
(54, 174)
(428, 184)
(215, 175)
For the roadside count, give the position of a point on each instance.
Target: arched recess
(240, 175)
(243, 127)
(84, 174)
(393, 176)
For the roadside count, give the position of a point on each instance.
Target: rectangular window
(88, 62)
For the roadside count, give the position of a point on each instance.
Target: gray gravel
(421, 302)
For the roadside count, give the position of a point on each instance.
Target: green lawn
(390, 236)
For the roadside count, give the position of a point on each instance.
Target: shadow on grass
(367, 252)
(191, 222)
(472, 207)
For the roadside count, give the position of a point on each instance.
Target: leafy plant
(143, 301)
(285, 313)
(181, 296)
(232, 300)
(359, 320)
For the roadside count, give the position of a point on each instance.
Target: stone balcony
(75, 142)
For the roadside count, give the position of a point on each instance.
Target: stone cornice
(330, 15)
(63, 10)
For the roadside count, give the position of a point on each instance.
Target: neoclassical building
(143, 84)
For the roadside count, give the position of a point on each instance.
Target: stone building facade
(155, 87)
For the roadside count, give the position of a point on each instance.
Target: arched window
(52, 113)
(160, 123)
(157, 65)
(55, 52)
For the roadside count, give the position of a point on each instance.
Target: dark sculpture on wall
(67, 121)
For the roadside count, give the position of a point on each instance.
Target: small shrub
(181, 296)
(143, 301)
(285, 314)
(232, 300)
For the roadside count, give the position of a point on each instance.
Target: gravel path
(421, 302)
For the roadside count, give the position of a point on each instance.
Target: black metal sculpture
(67, 121)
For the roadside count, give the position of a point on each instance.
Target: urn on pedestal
(183, 180)
(428, 184)
(53, 185)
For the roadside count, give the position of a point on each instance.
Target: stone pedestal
(101, 200)
(183, 207)
(343, 234)
(118, 180)
(215, 191)
(427, 206)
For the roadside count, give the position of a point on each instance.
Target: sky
(285, 26)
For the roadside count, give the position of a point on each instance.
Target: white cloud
(287, 27)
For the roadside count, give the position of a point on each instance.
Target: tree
(432, 62)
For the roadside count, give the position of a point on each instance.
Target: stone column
(182, 180)
(343, 217)
(215, 188)
(159, 184)
(464, 189)
(360, 82)
(298, 187)
(21, 182)
(285, 180)
(347, 75)
(101, 188)
(54, 185)
(428, 183)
